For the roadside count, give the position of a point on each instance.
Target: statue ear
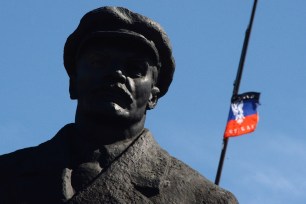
(153, 98)
(72, 88)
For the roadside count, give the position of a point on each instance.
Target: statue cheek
(145, 87)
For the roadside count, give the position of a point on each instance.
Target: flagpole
(237, 85)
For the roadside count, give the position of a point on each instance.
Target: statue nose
(120, 76)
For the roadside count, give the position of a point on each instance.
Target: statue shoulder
(10, 162)
(13, 162)
(183, 184)
(24, 170)
(195, 188)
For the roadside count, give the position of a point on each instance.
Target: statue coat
(144, 173)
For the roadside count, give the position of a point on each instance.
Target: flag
(243, 115)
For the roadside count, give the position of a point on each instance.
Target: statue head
(121, 23)
(119, 63)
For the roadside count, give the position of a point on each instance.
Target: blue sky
(267, 166)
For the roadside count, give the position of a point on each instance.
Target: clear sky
(267, 166)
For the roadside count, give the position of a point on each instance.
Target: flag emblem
(243, 116)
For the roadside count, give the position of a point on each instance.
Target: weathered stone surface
(144, 173)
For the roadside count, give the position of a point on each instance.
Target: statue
(119, 64)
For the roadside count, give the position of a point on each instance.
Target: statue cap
(106, 22)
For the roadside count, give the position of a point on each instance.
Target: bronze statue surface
(119, 64)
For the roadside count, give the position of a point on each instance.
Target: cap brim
(123, 35)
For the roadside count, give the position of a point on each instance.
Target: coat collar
(135, 176)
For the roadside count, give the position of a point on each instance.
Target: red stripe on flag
(248, 125)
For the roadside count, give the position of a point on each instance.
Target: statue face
(115, 80)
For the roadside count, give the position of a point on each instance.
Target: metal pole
(218, 176)
(244, 51)
(237, 85)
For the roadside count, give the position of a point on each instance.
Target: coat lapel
(135, 177)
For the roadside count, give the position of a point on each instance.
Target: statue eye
(97, 61)
(137, 68)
